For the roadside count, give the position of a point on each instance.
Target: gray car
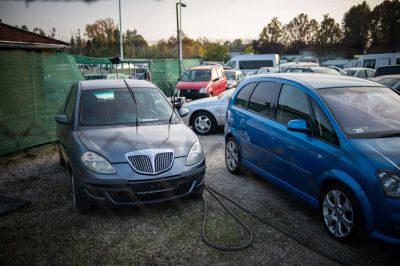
(205, 115)
(123, 144)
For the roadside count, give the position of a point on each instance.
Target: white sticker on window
(358, 130)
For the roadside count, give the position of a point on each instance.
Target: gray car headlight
(97, 163)
(195, 154)
(391, 183)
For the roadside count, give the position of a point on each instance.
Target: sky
(217, 20)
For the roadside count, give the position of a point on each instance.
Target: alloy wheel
(202, 124)
(231, 155)
(338, 213)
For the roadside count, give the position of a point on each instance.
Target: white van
(377, 60)
(251, 62)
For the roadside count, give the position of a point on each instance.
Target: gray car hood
(205, 101)
(113, 142)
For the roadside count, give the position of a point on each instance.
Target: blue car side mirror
(298, 125)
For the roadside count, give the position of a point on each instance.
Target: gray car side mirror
(62, 119)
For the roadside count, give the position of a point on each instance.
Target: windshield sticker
(104, 95)
(358, 130)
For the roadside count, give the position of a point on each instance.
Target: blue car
(333, 141)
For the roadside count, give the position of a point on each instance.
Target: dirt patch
(49, 231)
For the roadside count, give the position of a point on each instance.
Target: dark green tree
(356, 29)
(385, 26)
(329, 36)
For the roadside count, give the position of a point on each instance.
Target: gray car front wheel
(203, 123)
(78, 197)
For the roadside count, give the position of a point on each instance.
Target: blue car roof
(319, 81)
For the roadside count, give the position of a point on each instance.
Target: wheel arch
(335, 176)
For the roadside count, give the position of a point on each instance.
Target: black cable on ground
(216, 194)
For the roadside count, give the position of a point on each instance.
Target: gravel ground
(49, 231)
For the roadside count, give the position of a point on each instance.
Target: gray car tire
(203, 123)
(78, 197)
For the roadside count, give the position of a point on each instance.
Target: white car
(360, 72)
(205, 115)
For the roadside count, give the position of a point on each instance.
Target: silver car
(206, 114)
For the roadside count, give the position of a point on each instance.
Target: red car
(202, 81)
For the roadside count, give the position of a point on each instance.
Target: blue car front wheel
(341, 213)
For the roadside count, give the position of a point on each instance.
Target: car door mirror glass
(298, 125)
(62, 119)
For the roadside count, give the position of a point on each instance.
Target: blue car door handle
(242, 122)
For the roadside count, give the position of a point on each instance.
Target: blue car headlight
(97, 163)
(391, 182)
(195, 154)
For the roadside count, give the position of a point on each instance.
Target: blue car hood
(384, 152)
(113, 142)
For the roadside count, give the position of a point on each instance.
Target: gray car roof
(320, 81)
(115, 83)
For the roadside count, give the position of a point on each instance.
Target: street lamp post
(121, 49)
(178, 32)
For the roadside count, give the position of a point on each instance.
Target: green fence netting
(32, 89)
(167, 70)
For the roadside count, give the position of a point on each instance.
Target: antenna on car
(134, 99)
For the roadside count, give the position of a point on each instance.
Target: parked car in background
(338, 69)
(202, 81)
(321, 70)
(359, 72)
(123, 144)
(387, 70)
(263, 70)
(94, 76)
(234, 77)
(205, 115)
(390, 81)
(285, 66)
(117, 76)
(333, 141)
(251, 62)
(340, 63)
(105, 76)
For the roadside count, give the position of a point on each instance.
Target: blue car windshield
(364, 112)
(103, 107)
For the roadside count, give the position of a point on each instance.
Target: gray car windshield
(196, 75)
(116, 106)
(365, 112)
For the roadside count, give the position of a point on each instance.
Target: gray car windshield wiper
(134, 99)
(389, 135)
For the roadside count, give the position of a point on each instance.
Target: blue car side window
(324, 129)
(262, 98)
(244, 95)
(292, 104)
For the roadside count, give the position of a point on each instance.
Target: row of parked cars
(331, 140)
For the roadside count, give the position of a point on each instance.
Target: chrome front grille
(151, 161)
